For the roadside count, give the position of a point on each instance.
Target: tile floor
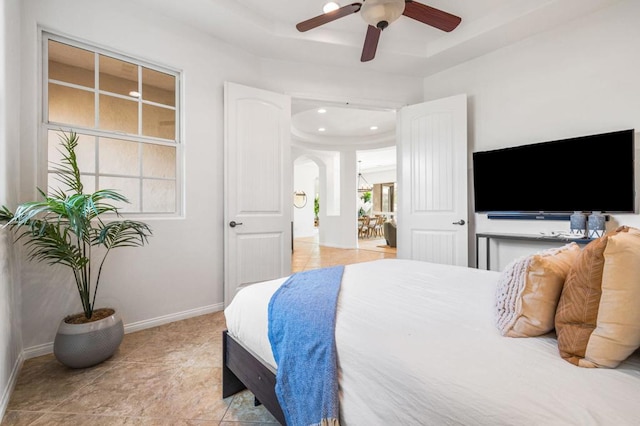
(307, 254)
(166, 375)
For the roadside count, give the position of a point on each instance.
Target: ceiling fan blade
(431, 16)
(328, 17)
(370, 43)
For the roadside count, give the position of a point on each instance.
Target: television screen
(588, 173)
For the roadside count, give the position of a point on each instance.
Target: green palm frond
(53, 244)
(97, 205)
(68, 171)
(126, 233)
(5, 214)
(27, 212)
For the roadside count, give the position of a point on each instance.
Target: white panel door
(432, 181)
(258, 186)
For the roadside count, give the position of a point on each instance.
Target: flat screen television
(587, 173)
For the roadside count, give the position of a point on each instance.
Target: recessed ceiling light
(321, 129)
(330, 7)
(134, 94)
(373, 127)
(321, 111)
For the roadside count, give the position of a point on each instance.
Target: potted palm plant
(66, 227)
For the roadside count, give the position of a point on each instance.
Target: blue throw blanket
(302, 319)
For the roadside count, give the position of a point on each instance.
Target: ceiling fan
(379, 14)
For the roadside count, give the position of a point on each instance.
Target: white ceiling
(343, 125)
(407, 47)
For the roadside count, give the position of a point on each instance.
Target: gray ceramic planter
(84, 345)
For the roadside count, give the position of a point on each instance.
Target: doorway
(433, 158)
(306, 205)
(377, 206)
(339, 133)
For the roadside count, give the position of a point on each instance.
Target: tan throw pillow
(529, 290)
(598, 317)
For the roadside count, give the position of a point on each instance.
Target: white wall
(304, 179)
(340, 230)
(10, 332)
(180, 272)
(338, 202)
(576, 80)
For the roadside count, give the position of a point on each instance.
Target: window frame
(46, 126)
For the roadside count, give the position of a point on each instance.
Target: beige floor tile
(44, 383)
(170, 348)
(123, 391)
(209, 355)
(194, 393)
(130, 343)
(67, 419)
(20, 418)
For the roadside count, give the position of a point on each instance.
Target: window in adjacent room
(126, 113)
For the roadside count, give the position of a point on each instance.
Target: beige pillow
(598, 317)
(529, 290)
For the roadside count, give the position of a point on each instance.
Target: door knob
(233, 223)
(460, 222)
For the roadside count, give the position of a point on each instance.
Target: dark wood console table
(488, 236)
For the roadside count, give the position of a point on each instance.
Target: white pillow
(529, 290)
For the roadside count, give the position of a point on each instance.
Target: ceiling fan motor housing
(381, 13)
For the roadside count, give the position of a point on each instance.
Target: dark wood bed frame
(241, 370)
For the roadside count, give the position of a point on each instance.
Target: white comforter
(417, 345)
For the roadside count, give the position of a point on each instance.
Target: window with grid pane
(125, 112)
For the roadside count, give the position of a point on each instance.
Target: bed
(417, 344)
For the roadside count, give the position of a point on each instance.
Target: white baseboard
(38, 350)
(154, 322)
(47, 348)
(11, 384)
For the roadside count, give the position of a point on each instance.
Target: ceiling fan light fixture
(381, 13)
(330, 7)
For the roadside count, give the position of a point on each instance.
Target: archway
(306, 180)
